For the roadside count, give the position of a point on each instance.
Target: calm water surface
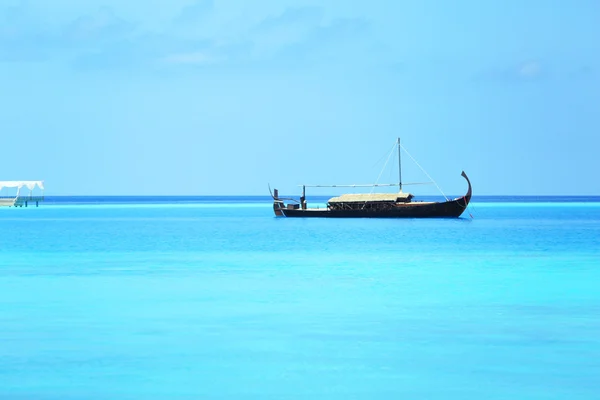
(212, 298)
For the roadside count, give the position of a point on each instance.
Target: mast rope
(380, 173)
(425, 172)
(384, 165)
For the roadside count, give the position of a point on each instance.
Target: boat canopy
(19, 184)
(371, 197)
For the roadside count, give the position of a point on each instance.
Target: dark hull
(448, 209)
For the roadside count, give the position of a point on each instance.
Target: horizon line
(324, 195)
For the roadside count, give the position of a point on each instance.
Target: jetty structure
(14, 193)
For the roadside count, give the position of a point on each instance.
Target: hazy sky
(223, 97)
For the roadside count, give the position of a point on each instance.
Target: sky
(222, 97)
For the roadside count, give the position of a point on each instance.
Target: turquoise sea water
(152, 298)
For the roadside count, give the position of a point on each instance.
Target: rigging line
(390, 175)
(425, 172)
(380, 173)
(379, 161)
(384, 165)
(354, 185)
(471, 209)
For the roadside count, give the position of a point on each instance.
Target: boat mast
(399, 166)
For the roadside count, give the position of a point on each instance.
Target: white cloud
(529, 69)
(194, 12)
(192, 58)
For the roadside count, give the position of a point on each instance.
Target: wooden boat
(373, 205)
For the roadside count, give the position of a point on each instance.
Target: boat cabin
(378, 201)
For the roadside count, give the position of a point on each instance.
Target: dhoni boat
(373, 205)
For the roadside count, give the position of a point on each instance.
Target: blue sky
(222, 97)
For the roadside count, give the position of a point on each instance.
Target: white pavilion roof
(19, 184)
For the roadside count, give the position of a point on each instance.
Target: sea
(215, 298)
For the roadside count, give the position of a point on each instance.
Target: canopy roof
(19, 184)
(369, 197)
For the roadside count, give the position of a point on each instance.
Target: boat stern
(278, 205)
